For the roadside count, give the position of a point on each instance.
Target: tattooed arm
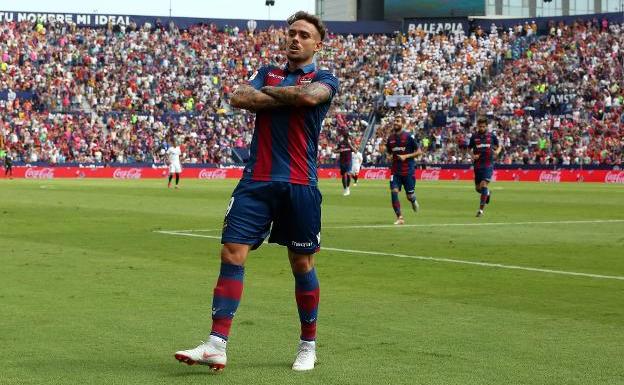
(248, 98)
(308, 95)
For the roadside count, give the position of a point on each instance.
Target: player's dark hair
(482, 119)
(312, 19)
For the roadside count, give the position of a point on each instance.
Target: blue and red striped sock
(396, 204)
(307, 295)
(485, 192)
(227, 295)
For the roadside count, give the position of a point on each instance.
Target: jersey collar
(305, 69)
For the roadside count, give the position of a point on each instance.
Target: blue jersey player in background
(278, 194)
(402, 148)
(485, 148)
(345, 149)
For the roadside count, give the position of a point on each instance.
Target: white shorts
(355, 169)
(175, 168)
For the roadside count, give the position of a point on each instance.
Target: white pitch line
(187, 231)
(477, 224)
(434, 259)
(436, 225)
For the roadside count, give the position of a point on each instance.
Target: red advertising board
(518, 175)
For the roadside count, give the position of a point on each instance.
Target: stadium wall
(517, 175)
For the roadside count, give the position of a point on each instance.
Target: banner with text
(544, 176)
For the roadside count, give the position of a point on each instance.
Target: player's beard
(297, 56)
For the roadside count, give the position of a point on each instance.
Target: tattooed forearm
(308, 95)
(248, 98)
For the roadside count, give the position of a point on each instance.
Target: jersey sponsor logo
(550, 176)
(484, 145)
(276, 76)
(615, 177)
(397, 149)
(375, 174)
(305, 81)
(41, 173)
(430, 175)
(130, 173)
(218, 173)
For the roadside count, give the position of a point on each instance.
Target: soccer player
(173, 160)
(402, 147)
(8, 165)
(278, 194)
(485, 149)
(344, 149)
(356, 163)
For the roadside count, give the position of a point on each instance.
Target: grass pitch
(92, 293)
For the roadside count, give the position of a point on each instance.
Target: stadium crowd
(122, 94)
(561, 102)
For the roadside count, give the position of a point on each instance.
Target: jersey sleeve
(328, 80)
(471, 145)
(494, 140)
(257, 79)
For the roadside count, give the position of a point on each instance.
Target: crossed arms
(476, 155)
(411, 155)
(308, 95)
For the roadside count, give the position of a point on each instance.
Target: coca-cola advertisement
(133, 173)
(432, 175)
(381, 173)
(212, 173)
(615, 177)
(127, 173)
(550, 176)
(39, 173)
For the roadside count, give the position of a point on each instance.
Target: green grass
(91, 294)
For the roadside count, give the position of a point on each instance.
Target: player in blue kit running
(278, 194)
(402, 147)
(485, 148)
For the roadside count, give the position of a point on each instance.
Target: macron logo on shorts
(301, 244)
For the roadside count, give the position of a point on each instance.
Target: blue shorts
(407, 181)
(345, 168)
(483, 174)
(290, 214)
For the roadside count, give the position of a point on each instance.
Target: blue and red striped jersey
(401, 144)
(285, 140)
(344, 149)
(484, 145)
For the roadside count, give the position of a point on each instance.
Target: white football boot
(306, 356)
(210, 353)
